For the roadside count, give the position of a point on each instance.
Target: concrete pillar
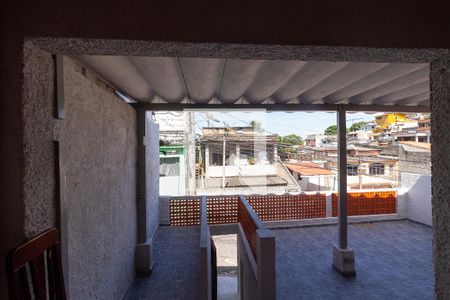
(343, 257)
(144, 261)
(440, 159)
(416, 138)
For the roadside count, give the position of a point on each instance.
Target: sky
(282, 123)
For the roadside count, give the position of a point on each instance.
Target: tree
(286, 143)
(357, 126)
(255, 124)
(331, 130)
(292, 139)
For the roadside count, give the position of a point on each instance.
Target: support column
(144, 262)
(440, 185)
(343, 257)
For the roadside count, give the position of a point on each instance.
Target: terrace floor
(393, 261)
(175, 272)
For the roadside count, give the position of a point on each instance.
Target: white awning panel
(204, 80)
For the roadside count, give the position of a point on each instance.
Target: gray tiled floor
(175, 272)
(393, 261)
(227, 288)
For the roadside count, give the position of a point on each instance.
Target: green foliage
(255, 124)
(331, 130)
(357, 126)
(286, 143)
(292, 139)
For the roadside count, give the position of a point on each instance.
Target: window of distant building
(376, 169)
(352, 170)
(169, 166)
(217, 159)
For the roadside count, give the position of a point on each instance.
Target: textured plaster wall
(98, 186)
(440, 168)
(152, 166)
(38, 147)
(418, 197)
(27, 204)
(384, 24)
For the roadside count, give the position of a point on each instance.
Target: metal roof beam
(283, 107)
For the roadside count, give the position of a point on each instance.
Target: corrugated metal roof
(178, 80)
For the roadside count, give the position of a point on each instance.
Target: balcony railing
(225, 209)
(368, 203)
(256, 244)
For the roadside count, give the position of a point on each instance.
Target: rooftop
(308, 169)
(416, 144)
(245, 181)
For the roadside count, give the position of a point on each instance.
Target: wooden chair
(34, 266)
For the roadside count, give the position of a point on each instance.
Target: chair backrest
(34, 269)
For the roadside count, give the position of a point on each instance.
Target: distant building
(172, 171)
(319, 140)
(401, 127)
(419, 133)
(177, 151)
(368, 126)
(312, 177)
(314, 140)
(384, 120)
(360, 136)
(367, 168)
(251, 163)
(414, 157)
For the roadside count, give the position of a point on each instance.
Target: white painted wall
(216, 171)
(417, 197)
(174, 185)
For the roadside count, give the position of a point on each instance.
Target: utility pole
(223, 154)
(202, 166)
(223, 161)
(360, 173)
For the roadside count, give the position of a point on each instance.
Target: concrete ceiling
(228, 81)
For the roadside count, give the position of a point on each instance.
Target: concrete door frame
(439, 60)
